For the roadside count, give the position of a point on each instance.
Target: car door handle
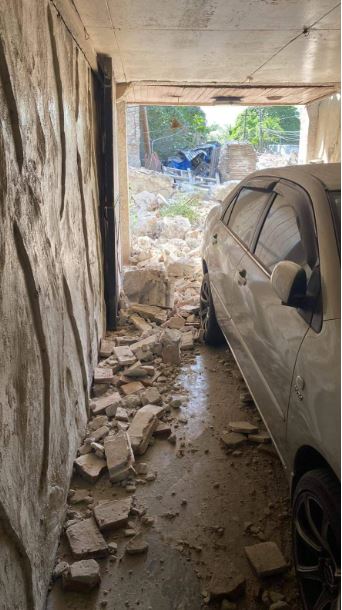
(241, 277)
(214, 239)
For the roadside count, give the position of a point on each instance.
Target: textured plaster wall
(320, 137)
(51, 293)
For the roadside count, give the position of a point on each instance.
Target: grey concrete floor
(199, 488)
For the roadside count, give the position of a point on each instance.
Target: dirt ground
(204, 503)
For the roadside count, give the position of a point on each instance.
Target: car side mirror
(289, 283)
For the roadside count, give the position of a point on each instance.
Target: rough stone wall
(133, 136)
(51, 294)
(320, 138)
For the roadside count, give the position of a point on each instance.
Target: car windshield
(335, 203)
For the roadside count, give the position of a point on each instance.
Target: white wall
(320, 138)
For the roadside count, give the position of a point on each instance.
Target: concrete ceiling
(287, 44)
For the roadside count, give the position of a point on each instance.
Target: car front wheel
(316, 539)
(212, 333)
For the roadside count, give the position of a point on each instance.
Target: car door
(238, 219)
(270, 334)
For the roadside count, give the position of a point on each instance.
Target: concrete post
(123, 183)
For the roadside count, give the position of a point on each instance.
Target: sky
(223, 115)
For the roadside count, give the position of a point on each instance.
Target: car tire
(316, 539)
(212, 334)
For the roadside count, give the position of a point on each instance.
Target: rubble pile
(134, 400)
(237, 160)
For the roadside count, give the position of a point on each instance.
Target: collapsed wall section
(51, 293)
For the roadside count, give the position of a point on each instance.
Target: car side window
(280, 238)
(246, 213)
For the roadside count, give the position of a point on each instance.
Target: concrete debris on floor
(173, 505)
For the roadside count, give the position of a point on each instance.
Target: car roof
(329, 174)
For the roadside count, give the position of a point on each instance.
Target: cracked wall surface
(51, 293)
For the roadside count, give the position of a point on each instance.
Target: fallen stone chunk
(100, 433)
(177, 401)
(262, 437)
(227, 583)
(82, 576)
(148, 286)
(181, 268)
(98, 449)
(106, 348)
(137, 545)
(243, 427)
(110, 363)
(136, 370)
(113, 548)
(90, 466)
(162, 430)
(142, 468)
(132, 388)
(150, 370)
(124, 355)
(106, 402)
(151, 396)
(231, 440)
(140, 323)
(176, 322)
(84, 449)
(150, 312)
(266, 559)
(121, 414)
(141, 429)
(157, 410)
(86, 540)
(98, 422)
(149, 344)
(112, 513)
(133, 401)
(119, 456)
(99, 389)
(59, 569)
(187, 341)
(126, 340)
(170, 340)
(103, 375)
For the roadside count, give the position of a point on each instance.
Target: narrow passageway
(198, 506)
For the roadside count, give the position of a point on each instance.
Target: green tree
(267, 125)
(176, 127)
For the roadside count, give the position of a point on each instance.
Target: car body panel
(272, 344)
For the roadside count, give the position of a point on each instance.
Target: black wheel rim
(317, 554)
(204, 306)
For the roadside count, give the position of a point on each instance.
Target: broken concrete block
(162, 431)
(98, 422)
(132, 388)
(140, 323)
(78, 496)
(260, 438)
(227, 583)
(90, 466)
(151, 396)
(187, 341)
(156, 410)
(170, 340)
(119, 456)
(127, 340)
(103, 375)
(98, 449)
(112, 513)
(124, 355)
(176, 322)
(150, 312)
(100, 433)
(141, 429)
(137, 370)
(266, 558)
(149, 344)
(86, 540)
(82, 576)
(106, 348)
(84, 449)
(100, 405)
(232, 440)
(121, 414)
(242, 427)
(137, 545)
(133, 401)
(148, 286)
(181, 268)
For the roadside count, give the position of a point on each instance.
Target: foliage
(267, 125)
(176, 127)
(183, 205)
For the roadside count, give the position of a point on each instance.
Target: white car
(271, 288)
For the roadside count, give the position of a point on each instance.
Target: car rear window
(246, 212)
